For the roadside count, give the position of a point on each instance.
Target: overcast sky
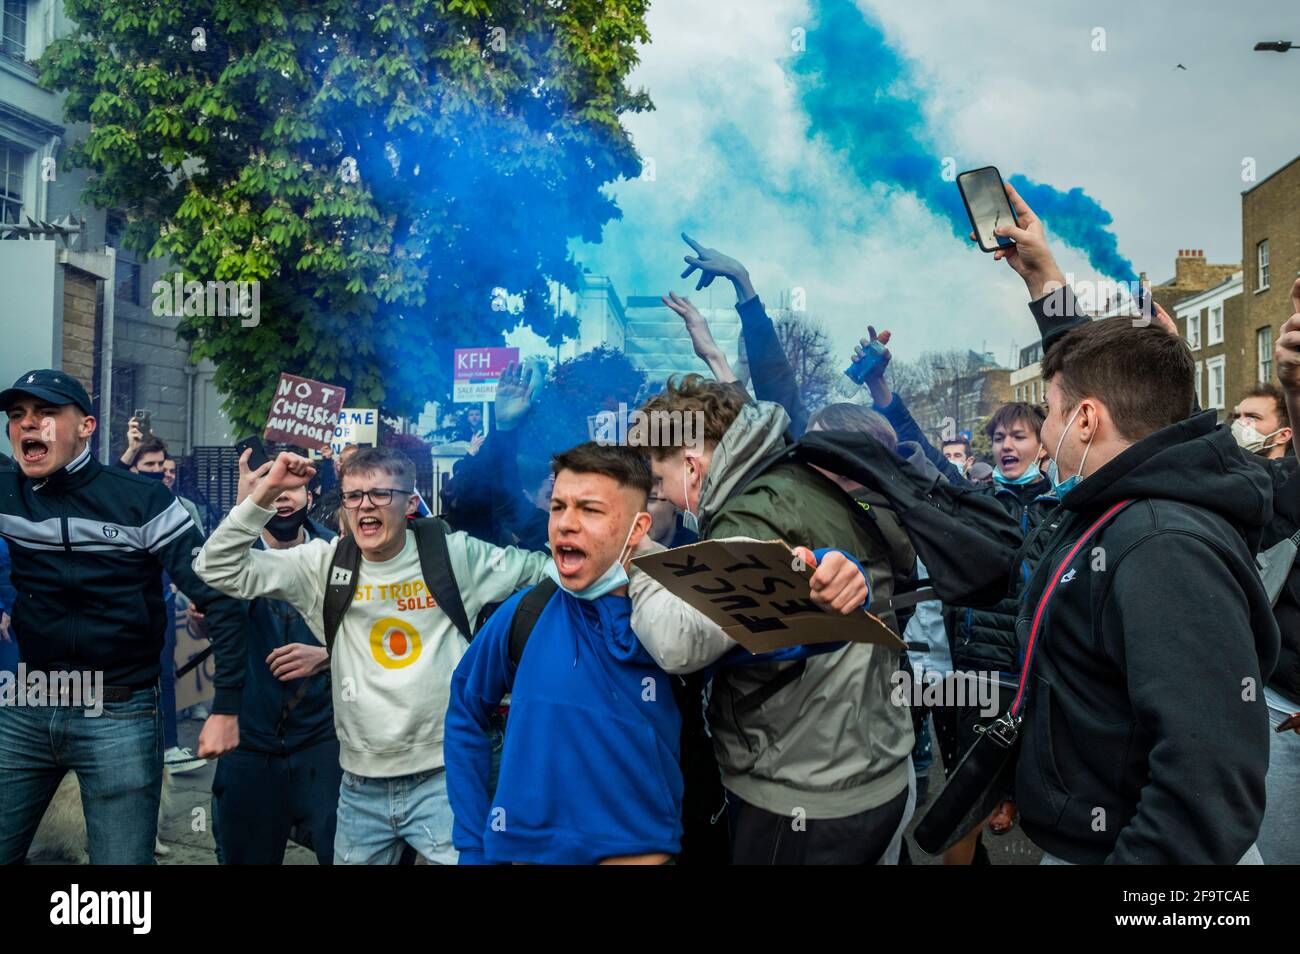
(737, 163)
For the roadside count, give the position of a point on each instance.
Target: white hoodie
(395, 650)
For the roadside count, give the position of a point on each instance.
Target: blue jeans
(118, 760)
(377, 815)
(1279, 834)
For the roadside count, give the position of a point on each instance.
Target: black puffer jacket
(984, 640)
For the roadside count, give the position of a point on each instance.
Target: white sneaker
(179, 760)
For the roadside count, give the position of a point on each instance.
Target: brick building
(1270, 248)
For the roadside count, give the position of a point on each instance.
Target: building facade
(1270, 248)
(82, 302)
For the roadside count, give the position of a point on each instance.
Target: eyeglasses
(379, 496)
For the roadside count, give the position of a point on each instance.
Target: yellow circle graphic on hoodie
(394, 643)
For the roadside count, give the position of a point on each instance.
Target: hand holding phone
(985, 198)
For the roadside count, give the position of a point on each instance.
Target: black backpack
(435, 567)
(966, 540)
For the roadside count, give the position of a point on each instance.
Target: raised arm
(769, 365)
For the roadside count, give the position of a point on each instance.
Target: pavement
(186, 826)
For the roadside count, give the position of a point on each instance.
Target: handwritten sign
(304, 412)
(758, 593)
(356, 425)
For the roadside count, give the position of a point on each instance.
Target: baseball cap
(58, 387)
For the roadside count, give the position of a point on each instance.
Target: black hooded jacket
(1146, 735)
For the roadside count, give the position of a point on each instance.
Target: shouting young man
(396, 644)
(590, 771)
(90, 544)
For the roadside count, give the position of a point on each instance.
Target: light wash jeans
(118, 758)
(377, 815)
(1279, 833)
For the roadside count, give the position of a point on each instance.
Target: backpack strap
(435, 566)
(527, 612)
(748, 703)
(1014, 713)
(340, 586)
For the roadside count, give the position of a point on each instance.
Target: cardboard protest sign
(356, 425)
(195, 686)
(757, 591)
(304, 412)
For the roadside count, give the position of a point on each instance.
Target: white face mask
(690, 521)
(1249, 438)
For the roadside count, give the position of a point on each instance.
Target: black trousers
(759, 837)
(259, 798)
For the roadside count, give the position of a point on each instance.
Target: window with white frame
(1264, 348)
(1214, 383)
(13, 28)
(1199, 370)
(1194, 331)
(1261, 262)
(1214, 327)
(12, 162)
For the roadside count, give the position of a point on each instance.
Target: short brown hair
(371, 459)
(151, 445)
(1276, 395)
(1142, 373)
(627, 465)
(854, 417)
(1008, 414)
(720, 405)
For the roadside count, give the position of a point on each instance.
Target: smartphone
(987, 205)
(144, 420)
(255, 459)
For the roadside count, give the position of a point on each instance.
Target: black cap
(58, 387)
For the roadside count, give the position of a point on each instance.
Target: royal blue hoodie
(590, 766)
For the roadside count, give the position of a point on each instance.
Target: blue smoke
(858, 94)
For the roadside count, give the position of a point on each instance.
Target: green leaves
(378, 170)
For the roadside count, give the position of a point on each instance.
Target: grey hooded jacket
(832, 743)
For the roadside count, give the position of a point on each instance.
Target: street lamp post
(1275, 46)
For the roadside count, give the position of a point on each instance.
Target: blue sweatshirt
(590, 766)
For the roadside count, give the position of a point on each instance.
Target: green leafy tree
(401, 178)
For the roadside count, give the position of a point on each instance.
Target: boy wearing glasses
(395, 650)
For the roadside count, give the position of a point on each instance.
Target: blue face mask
(1063, 487)
(608, 581)
(1031, 474)
(690, 520)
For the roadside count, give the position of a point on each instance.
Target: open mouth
(569, 559)
(369, 527)
(279, 511)
(1009, 462)
(34, 451)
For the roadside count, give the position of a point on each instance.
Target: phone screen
(987, 205)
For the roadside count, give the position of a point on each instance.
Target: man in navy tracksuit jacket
(285, 775)
(89, 544)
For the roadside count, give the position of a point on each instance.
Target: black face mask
(286, 529)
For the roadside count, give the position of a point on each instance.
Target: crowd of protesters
(504, 685)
